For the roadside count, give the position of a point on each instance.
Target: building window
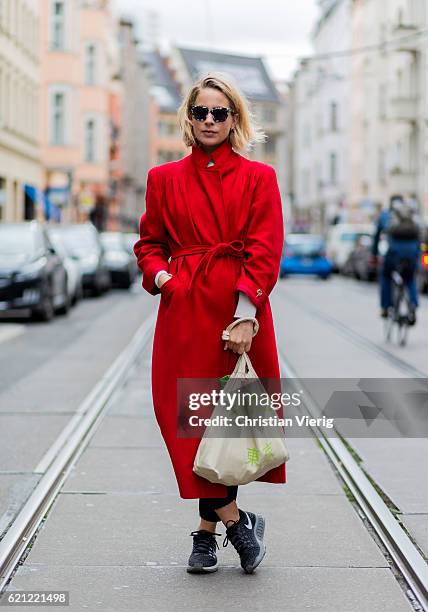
(58, 24)
(318, 177)
(2, 197)
(167, 128)
(2, 96)
(333, 168)
(382, 100)
(306, 179)
(58, 118)
(333, 116)
(90, 140)
(165, 156)
(269, 114)
(381, 165)
(270, 145)
(306, 135)
(90, 64)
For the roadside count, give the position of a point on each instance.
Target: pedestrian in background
(210, 242)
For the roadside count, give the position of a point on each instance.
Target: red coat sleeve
(151, 250)
(264, 241)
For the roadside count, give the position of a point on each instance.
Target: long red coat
(219, 230)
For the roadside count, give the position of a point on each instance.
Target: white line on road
(7, 332)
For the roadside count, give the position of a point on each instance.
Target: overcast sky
(278, 30)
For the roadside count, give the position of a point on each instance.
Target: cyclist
(401, 227)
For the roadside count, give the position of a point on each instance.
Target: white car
(341, 239)
(74, 274)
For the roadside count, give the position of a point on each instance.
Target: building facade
(135, 130)
(390, 99)
(20, 168)
(77, 63)
(166, 143)
(359, 128)
(321, 94)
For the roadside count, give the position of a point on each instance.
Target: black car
(120, 262)
(83, 243)
(360, 263)
(32, 275)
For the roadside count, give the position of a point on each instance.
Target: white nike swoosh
(249, 524)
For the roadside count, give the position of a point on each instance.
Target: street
(117, 531)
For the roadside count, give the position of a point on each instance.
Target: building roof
(249, 72)
(164, 88)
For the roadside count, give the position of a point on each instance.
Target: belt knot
(235, 248)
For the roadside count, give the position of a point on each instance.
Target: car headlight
(117, 257)
(89, 261)
(30, 272)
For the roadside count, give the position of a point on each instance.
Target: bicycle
(398, 314)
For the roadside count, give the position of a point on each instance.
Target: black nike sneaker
(203, 558)
(246, 536)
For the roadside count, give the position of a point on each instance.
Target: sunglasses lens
(199, 112)
(219, 114)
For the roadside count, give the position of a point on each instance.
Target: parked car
(305, 254)
(121, 264)
(360, 263)
(130, 239)
(74, 275)
(32, 275)
(341, 239)
(83, 242)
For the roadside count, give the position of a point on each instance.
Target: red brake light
(425, 259)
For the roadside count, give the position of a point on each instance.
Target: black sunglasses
(219, 113)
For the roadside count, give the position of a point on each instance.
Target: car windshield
(304, 248)
(77, 241)
(18, 241)
(113, 242)
(351, 236)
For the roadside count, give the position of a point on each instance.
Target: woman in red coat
(210, 242)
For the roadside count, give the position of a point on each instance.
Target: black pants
(208, 505)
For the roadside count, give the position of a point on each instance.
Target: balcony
(402, 181)
(403, 108)
(404, 37)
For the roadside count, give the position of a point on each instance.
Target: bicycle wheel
(388, 325)
(402, 332)
(402, 316)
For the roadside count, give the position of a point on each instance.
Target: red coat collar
(223, 157)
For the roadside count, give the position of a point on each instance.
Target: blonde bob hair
(246, 133)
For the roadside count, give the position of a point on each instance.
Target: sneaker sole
(259, 530)
(200, 569)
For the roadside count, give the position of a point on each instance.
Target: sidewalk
(117, 536)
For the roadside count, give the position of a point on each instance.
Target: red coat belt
(235, 248)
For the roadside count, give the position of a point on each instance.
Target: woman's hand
(164, 278)
(241, 337)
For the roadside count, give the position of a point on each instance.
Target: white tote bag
(240, 460)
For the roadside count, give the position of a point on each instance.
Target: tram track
(408, 560)
(63, 454)
(358, 339)
(60, 458)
